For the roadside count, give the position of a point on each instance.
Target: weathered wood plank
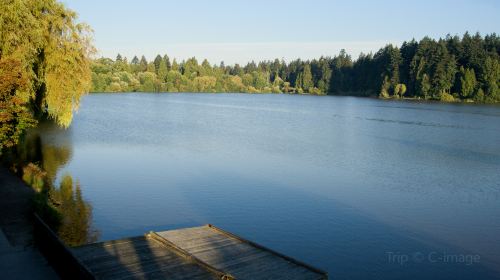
(144, 269)
(231, 262)
(240, 258)
(139, 258)
(135, 267)
(97, 247)
(112, 252)
(204, 241)
(194, 253)
(228, 245)
(191, 274)
(123, 260)
(228, 252)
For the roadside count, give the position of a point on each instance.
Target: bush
(446, 97)
(314, 91)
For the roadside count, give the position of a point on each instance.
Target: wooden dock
(205, 252)
(140, 258)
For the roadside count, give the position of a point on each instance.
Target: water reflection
(336, 182)
(75, 226)
(60, 204)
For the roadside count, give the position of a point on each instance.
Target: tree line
(453, 68)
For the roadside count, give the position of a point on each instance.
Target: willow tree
(53, 51)
(14, 116)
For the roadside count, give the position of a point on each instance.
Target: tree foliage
(52, 51)
(452, 68)
(14, 115)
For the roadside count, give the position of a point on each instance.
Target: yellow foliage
(446, 97)
(204, 83)
(44, 35)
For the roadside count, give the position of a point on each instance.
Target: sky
(237, 31)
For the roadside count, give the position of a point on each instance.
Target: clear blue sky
(238, 31)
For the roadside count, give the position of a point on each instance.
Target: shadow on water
(61, 205)
(362, 247)
(458, 108)
(466, 154)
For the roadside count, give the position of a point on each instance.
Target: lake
(362, 188)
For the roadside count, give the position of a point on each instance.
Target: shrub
(446, 97)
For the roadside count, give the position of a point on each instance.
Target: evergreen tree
(135, 60)
(167, 62)
(143, 64)
(307, 81)
(468, 82)
(175, 65)
(162, 71)
(157, 62)
(151, 68)
(491, 79)
(446, 69)
(298, 81)
(424, 86)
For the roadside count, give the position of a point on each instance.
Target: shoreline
(403, 99)
(19, 257)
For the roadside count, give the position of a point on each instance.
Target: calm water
(362, 188)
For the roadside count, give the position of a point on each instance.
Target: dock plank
(236, 256)
(139, 258)
(204, 252)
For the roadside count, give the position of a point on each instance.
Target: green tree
(260, 79)
(491, 79)
(307, 81)
(143, 64)
(167, 62)
(135, 65)
(191, 68)
(135, 60)
(157, 62)
(326, 75)
(162, 71)
(175, 65)
(151, 67)
(384, 90)
(54, 55)
(298, 81)
(206, 68)
(468, 82)
(147, 80)
(445, 69)
(15, 116)
(425, 86)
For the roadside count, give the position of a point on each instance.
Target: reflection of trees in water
(63, 206)
(53, 159)
(75, 226)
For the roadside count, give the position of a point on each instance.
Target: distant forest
(455, 68)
